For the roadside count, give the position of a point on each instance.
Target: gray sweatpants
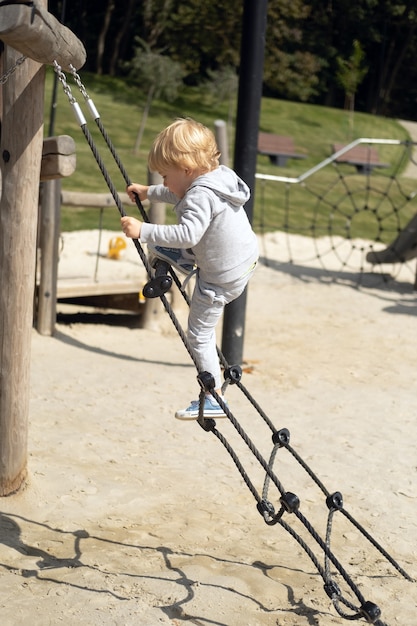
(207, 304)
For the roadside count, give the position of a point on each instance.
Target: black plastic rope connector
(332, 589)
(207, 424)
(370, 611)
(281, 437)
(334, 501)
(265, 508)
(233, 374)
(206, 380)
(290, 502)
(160, 283)
(157, 286)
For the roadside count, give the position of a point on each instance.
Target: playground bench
(278, 148)
(364, 158)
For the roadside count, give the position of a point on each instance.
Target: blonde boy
(212, 234)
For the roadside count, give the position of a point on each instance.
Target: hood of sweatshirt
(226, 184)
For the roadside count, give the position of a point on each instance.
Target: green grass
(346, 203)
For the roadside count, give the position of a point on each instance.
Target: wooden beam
(37, 34)
(58, 157)
(93, 200)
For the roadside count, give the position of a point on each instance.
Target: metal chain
(63, 80)
(80, 85)
(10, 71)
(67, 90)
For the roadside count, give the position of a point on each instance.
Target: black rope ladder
(288, 502)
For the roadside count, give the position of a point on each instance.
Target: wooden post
(1, 90)
(153, 306)
(220, 131)
(34, 33)
(49, 231)
(58, 161)
(20, 161)
(157, 210)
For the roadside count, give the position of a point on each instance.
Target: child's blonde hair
(186, 144)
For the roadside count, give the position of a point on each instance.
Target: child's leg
(207, 305)
(206, 308)
(205, 312)
(179, 259)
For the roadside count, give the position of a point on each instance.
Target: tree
(120, 36)
(350, 74)
(223, 85)
(304, 40)
(161, 76)
(156, 16)
(396, 45)
(291, 68)
(204, 35)
(102, 36)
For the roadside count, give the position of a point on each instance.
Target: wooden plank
(116, 301)
(279, 148)
(269, 142)
(73, 287)
(364, 158)
(37, 34)
(361, 154)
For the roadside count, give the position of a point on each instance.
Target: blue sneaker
(211, 409)
(173, 256)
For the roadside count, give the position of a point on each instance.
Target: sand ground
(131, 517)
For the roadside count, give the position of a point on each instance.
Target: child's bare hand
(131, 227)
(136, 188)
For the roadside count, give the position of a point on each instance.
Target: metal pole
(247, 125)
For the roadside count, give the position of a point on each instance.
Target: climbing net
(356, 226)
(283, 504)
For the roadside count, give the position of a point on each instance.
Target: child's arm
(140, 190)
(131, 227)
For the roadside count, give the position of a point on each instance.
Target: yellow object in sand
(116, 247)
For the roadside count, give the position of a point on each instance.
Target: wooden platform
(120, 295)
(80, 287)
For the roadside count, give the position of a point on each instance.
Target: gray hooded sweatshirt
(212, 222)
